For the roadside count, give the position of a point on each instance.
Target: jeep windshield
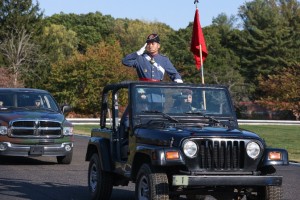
(27, 100)
(181, 101)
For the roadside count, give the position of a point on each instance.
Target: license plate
(36, 150)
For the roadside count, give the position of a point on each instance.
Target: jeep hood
(176, 135)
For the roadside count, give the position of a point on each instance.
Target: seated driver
(37, 103)
(183, 102)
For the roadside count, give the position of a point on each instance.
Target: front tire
(273, 192)
(268, 193)
(99, 181)
(151, 185)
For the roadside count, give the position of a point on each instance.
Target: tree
(55, 43)
(282, 91)
(222, 66)
(80, 79)
(58, 43)
(225, 23)
(177, 48)
(90, 28)
(19, 14)
(271, 30)
(19, 54)
(20, 22)
(5, 79)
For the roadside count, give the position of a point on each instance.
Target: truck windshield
(182, 101)
(27, 99)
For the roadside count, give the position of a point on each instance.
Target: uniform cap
(153, 38)
(187, 92)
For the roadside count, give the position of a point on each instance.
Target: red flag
(197, 40)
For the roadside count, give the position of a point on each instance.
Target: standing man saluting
(149, 64)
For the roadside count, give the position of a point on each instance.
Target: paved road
(42, 178)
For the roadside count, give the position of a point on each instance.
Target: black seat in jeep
(123, 133)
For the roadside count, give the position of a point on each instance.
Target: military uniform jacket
(151, 67)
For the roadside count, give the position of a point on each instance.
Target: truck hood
(164, 137)
(9, 114)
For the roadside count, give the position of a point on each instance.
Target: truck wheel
(151, 185)
(273, 192)
(65, 159)
(99, 181)
(268, 193)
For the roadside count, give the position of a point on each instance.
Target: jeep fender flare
(101, 146)
(156, 155)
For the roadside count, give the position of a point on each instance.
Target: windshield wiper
(162, 113)
(205, 116)
(212, 119)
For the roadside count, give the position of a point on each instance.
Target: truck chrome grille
(36, 128)
(218, 154)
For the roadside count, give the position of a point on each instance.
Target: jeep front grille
(216, 154)
(36, 128)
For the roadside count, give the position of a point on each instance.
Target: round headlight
(3, 130)
(253, 150)
(68, 130)
(190, 149)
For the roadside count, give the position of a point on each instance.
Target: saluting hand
(142, 50)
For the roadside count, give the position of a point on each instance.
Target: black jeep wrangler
(178, 139)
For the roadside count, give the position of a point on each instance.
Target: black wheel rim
(143, 189)
(93, 177)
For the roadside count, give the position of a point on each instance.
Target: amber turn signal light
(274, 155)
(172, 155)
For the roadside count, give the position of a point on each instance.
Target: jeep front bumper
(9, 149)
(243, 180)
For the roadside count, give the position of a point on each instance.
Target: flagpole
(202, 74)
(201, 64)
(200, 50)
(202, 77)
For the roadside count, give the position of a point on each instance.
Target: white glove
(178, 81)
(141, 51)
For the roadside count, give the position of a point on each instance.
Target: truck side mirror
(66, 109)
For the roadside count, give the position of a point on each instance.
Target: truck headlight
(190, 149)
(68, 130)
(3, 130)
(253, 150)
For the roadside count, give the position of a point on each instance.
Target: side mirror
(66, 109)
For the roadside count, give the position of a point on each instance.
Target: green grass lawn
(278, 136)
(84, 129)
